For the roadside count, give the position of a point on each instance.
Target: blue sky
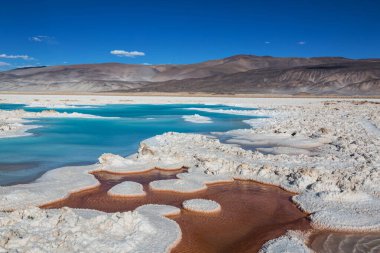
(56, 32)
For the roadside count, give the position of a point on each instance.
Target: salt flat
(337, 185)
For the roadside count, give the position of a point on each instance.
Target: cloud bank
(123, 53)
(24, 57)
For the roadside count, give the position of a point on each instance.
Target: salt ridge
(196, 118)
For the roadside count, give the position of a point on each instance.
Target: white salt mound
(69, 230)
(291, 242)
(352, 210)
(51, 186)
(127, 189)
(156, 209)
(177, 185)
(205, 178)
(146, 161)
(196, 118)
(201, 205)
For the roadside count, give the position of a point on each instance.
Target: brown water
(252, 213)
(335, 242)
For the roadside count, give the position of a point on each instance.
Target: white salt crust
(196, 118)
(72, 230)
(189, 182)
(201, 205)
(51, 186)
(136, 163)
(291, 242)
(345, 168)
(259, 112)
(177, 185)
(127, 189)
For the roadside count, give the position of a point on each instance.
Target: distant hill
(236, 74)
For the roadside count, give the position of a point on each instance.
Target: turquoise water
(61, 142)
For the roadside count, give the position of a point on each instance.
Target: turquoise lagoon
(62, 142)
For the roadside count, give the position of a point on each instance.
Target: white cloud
(123, 53)
(267, 42)
(3, 64)
(301, 43)
(42, 38)
(24, 57)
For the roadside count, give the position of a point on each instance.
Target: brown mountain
(236, 74)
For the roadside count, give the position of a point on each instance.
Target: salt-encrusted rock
(201, 205)
(177, 185)
(69, 230)
(127, 189)
(196, 118)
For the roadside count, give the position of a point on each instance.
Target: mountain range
(238, 74)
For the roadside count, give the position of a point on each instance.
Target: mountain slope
(236, 74)
(349, 78)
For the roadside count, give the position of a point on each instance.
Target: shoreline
(319, 192)
(12, 121)
(56, 100)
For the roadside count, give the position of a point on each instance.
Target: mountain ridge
(234, 74)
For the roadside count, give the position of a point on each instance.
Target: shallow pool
(60, 142)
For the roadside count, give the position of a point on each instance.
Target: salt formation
(196, 118)
(253, 112)
(338, 184)
(353, 210)
(291, 242)
(201, 205)
(177, 185)
(53, 185)
(136, 163)
(71, 230)
(127, 189)
(203, 178)
(189, 182)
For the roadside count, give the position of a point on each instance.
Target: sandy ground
(189, 94)
(96, 99)
(326, 151)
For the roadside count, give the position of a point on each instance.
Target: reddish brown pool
(252, 213)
